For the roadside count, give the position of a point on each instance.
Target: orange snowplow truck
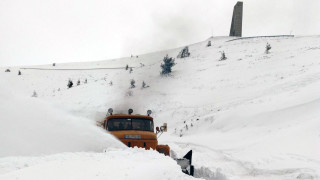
(138, 131)
(134, 130)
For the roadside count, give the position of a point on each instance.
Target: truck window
(130, 124)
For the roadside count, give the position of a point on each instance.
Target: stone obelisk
(236, 24)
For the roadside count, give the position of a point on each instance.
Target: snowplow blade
(185, 163)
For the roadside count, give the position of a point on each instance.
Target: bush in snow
(19, 73)
(7, 70)
(268, 47)
(144, 85)
(168, 64)
(110, 83)
(127, 67)
(209, 43)
(70, 83)
(54, 64)
(132, 83)
(34, 94)
(184, 53)
(130, 71)
(223, 56)
(86, 81)
(129, 93)
(78, 82)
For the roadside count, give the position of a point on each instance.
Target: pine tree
(209, 43)
(168, 64)
(268, 47)
(144, 85)
(132, 83)
(34, 94)
(70, 84)
(184, 53)
(223, 56)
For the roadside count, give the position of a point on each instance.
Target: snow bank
(114, 164)
(30, 126)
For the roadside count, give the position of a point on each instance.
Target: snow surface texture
(251, 116)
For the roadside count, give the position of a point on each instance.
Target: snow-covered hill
(252, 116)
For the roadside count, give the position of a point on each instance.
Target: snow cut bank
(38, 128)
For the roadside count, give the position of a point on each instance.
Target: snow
(31, 126)
(113, 164)
(252, 116)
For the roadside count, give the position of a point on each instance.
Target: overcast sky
(45, 31)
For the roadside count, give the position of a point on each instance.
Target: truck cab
(134, 130)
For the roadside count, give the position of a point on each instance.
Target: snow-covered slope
(252, 116)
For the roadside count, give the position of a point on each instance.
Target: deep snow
(252, 116)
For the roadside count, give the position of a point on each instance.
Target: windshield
(130, 124)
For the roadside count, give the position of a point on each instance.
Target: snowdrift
(30, 126)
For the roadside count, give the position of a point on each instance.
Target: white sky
(47, 31)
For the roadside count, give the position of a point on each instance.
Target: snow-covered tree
(268, 47)
(7, 70)
(130, 71)
(184, 53)
(54, 64)
(223, 56)
(34, 94)
(70, 83)
(110, 83)
(19, 73)
(209, 43)
(168, 64)
(129, 93)
(132, 83)
(78, 82)
(127, 67)
(144, 85)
